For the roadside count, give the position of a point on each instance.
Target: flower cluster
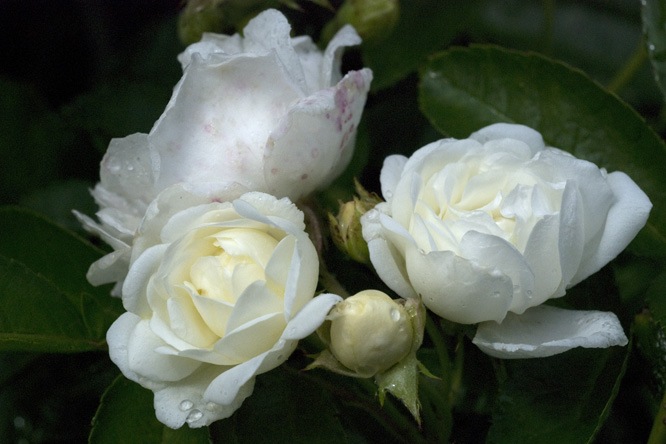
(211, 257)
(218, 274)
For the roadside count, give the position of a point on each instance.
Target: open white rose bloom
(488, 228)
(216, 294)
(263, 112)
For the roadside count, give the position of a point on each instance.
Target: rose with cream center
(259, 112)
(221, 293)
(488, 228)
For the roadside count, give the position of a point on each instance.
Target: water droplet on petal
(395, 315)
(194, 416)
(130, 167)
(186, 405)
(211, 406)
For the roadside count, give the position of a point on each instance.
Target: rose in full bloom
(216, 294)
(263, 112)
(488, 228)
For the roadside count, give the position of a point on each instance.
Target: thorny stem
(658, 432)
(629, 70)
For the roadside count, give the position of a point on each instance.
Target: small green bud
(199, 16)
(370, 332)
(374, 20)
(346, 229)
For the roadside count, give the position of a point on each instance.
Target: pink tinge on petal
(315, 141)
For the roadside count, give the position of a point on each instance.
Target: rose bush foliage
(488, 228)
(216, 294)
(262, 112)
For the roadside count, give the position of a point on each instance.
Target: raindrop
(114, 166)
(395, 315)
(496, 294)
(388, 195)
(130, 167)
(186, 405)
(211, 406)
(236, 381)
(19, 422)
(529, 293)
(194, 416)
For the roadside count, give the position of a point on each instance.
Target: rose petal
(390, 174)
(310, 317)
(134, 288)
(458, 289)
(225, 388)
(626, 217)
(294, 165)
(544, 331)
(256, 301)
(492, 251)
(200, 141)
(252, 338)
(142, 359)
(510, 131)
(183, 401)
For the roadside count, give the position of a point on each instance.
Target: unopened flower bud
(346, 229)
(374, 20)
(370, 332)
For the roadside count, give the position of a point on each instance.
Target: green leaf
(36, 316)
(424, 26)
(46, 303)
(657, 299)
(463, 90)
(284, 408)
(560, 399)
(126, 415)
(48, 249)
(57, 200)
(654, 26)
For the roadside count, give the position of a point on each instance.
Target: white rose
(223, 295)
(489, 227)
(264, 112)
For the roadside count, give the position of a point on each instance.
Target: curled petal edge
(545, 331)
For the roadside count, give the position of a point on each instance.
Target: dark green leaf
(284, 408)
(46, 248)
(654, 25)
(656, 296)
(46, 302)
(36, 316)
(424, 26)
(560, 399)
(463, 90)
(57, 200)
(126, 415)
